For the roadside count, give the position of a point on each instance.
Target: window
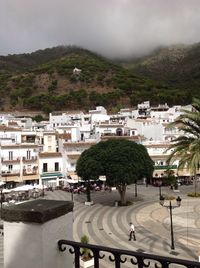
(28, 155)
(10, 155)
(45, 167)
(10, 167)
(56, 166)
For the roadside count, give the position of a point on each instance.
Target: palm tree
(186, 148)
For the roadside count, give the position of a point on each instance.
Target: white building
(19, 156)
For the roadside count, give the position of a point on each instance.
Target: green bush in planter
(86, 252)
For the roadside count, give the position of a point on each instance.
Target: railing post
(171, 224)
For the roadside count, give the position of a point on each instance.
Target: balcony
(117, 257)
(29, 171)
(32, 159)
(14, 172)
(9, 160)
(51, 170)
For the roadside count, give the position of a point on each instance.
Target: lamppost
(170, 207)
(160, 185)
(135, 188)
(42, 189)
(1, 197)
(72, 195)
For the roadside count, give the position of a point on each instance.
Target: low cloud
(114, 28)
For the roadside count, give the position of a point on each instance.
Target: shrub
(193, 194)
(85, 251)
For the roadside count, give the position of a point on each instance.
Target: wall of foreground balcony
(31, 230)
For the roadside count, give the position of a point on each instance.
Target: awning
(74, 177)
(63, 179)
(72, 181)
(51, 176)
(102, 178)
(25, 187)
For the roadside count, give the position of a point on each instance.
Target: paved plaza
(108, 225)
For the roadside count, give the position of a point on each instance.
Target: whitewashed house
(19, 156)
(50, 160)
(72, 151)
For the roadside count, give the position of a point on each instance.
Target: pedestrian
(132, 232)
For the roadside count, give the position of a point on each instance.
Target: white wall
(50, 163)
(49, 142)
(32, 245)
(150, 130)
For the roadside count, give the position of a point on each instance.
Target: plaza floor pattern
(108, 225)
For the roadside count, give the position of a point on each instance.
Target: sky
(113, 28)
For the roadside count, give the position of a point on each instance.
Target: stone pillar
(31, 232)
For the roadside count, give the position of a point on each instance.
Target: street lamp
(159, 185)
(2, 198)
(72, 193)
(135, 188)
(170, 207)
(42, 189)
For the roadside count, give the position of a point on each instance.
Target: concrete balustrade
(31, 232)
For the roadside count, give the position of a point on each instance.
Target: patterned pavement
(108, 225)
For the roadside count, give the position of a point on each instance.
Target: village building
(47, 152)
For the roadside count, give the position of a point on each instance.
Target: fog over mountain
(114, 28)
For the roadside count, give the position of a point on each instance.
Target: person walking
(132, 232)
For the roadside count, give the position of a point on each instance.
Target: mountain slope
(178, 66)
(44, 80)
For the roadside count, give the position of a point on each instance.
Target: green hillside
(44, 80)
(177, 66)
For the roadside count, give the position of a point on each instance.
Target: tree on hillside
(122, 162)
(186, 148)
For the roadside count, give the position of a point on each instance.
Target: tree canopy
(122, 162)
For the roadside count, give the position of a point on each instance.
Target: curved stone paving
(108, 226)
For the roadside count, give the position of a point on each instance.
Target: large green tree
(186, 148)
(121, 161)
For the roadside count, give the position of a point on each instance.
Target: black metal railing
(119, 256)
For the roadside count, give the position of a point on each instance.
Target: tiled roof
(5, 128)
(65, 136)
(66, 144)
